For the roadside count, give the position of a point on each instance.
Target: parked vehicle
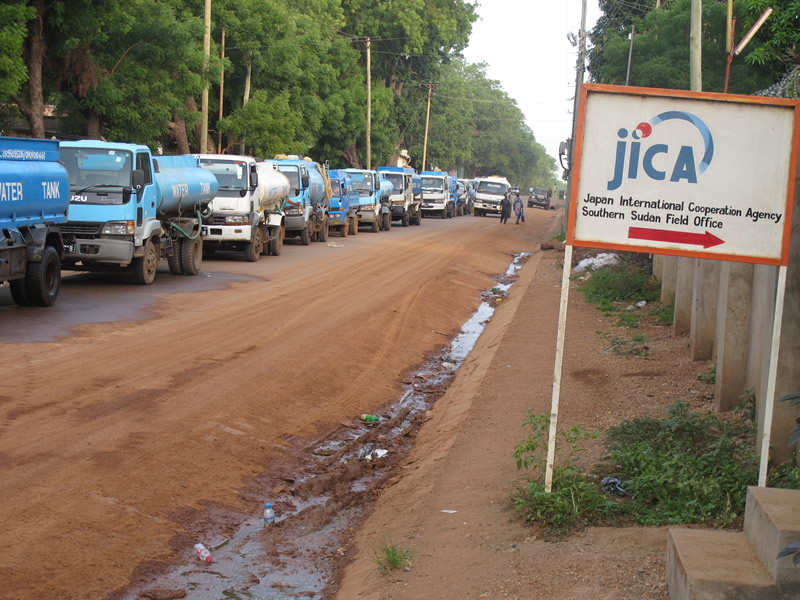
(489, 192)
(129, 208)
(306, 211)
(343, 213)
(245, 214)
(406, 197)
(374, 192)
(34, 201)
(438, 192)
(539, 198)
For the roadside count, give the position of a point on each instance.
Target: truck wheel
(322, 234)
(375, 225)
(174, 257)
(404, 219)
(354, 225)
(387, 221)
(444, 213)
(254, 248)
(192, 255)
(305, 234)
(145, 266)
(276, 243)
(418, 217)
(19, 292)
(344, 230)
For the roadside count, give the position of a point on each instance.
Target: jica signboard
(684, 173)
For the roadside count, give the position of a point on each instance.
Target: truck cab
(489, 192)
(405, 200)
(344, 203)
(306, 208)
(438, 190)
(373, 202)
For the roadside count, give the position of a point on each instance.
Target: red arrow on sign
(706, 240)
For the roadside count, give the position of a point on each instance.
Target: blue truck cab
(306, 208)
(374, 192)
(438, 193)
(343, 211)
(34, 203)
(129, 208)
(406, 198)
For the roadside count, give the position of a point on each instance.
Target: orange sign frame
(589, 88)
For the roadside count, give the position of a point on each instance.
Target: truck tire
(145, 266)
(305, 234)
(387, 221)
(19, 292)
(344, 230)
(254, 248)
(444, 213)
(375, 226)
(404, 219)
(43, 279)
(174, 257)
(276, 242)
(354, 225)
(322, 234)
(418, 216)
(192, 255)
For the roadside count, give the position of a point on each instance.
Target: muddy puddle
(333, 484)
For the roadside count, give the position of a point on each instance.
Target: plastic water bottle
(370, 418)
(202, 552)
(269, 515)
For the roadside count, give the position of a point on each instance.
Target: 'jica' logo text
(684, 167)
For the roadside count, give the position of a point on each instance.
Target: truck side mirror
(253, 179)
(137, 179)
(304, 179)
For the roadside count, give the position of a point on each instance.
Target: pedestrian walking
(519, 208)
(505, 208)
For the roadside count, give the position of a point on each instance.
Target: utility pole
(221, 88)
(630, 54)
(579, 68)
(369, 104)
(430, 85)
(204, 100)
(695, 47)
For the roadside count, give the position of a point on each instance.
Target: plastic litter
(448, 511)
(612, 485)
(269, 515)
(641, 303)
(377, 453)
(367, 418)
(202, 553)
(604, 259)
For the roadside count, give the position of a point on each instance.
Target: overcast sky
(524, 44)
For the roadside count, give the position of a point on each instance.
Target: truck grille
(82, 229)
(217, 220)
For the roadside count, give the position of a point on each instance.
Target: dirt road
(127, 413)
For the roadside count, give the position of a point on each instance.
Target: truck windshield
(396, 179)
(490, 187)
(293, 175)
(432, 184)
(230, 174)
(97, 176)
(362, 183)
(335, 188)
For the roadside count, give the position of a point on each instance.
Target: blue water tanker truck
(34, 202)
(306, 208)
(374, 192)
(406, 198)
(129, 208)
(438, 191)
(344, 203)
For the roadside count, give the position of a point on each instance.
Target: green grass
(629, 319)
(710, 377)
(390, 557)
(664, 314)
(628, 282)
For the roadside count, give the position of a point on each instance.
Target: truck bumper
(118, 252)
(433, 207)
(227, 233)
(398, 211)
(485, 207)
(337, 218)
(367, 216)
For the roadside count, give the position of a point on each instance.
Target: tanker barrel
(273, 186)
(386, 188)
(183, 186)
(34, 187)
(316, 185)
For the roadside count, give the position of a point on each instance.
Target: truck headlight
(118, 228)
(293, 211)
(367, 207)
(237, 220)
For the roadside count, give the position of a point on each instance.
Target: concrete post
(733, 328)
(703, 316)
(765, 283)
(669, 278)
(788, 376)
(683, 296)
(658, 266)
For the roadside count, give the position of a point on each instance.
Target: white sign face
(689, 174)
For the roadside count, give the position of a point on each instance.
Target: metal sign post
(682, 173)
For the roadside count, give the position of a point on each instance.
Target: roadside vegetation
(390, 557)
(685, 467)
